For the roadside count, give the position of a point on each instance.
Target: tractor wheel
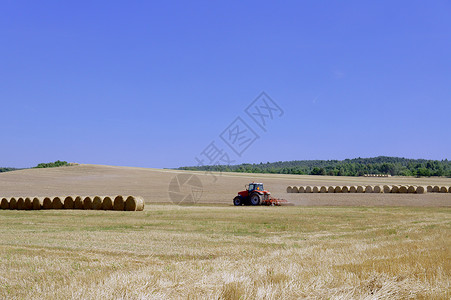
(255, 199)
(237, 201)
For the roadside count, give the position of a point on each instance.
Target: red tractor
(255, 194)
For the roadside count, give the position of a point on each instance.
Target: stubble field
(328, 246)
(221, 252)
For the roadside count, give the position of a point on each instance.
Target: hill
(394, 166)
(217, 188)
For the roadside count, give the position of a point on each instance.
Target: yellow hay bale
(134, 203)
(21, 203)
(421, 190)
(37, 203)
(353, 189)
(107, 203)
(4, 204)
(429, 188)
(13, 203)
(47, 203)
(411, 189)
(289, 189)
(436, 189)
(97, 203)
(403, 189)
(360, 189)
(28, 203)
(369, 189)
(295, 189)
(323, 189)
(395, 189)
(345, 189)
(378, 189)
(331, 189)
(387, 188)
(68, 202)
(315, 189)
(443, 189)
(87, 203)
(301, 189)
(338, 189)
(119, 203)
(57, 203)
(308, 189)
(78, 202)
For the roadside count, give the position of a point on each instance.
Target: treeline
(7, 169)
(394, 166)
(55, 164)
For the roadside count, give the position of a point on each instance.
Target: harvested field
(352, 250)
(172, 252)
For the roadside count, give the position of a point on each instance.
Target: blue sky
(152, 84)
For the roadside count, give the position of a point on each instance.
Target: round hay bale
(338, 189)
(295, 189)
(411, 189)
(378, 189)
(301, 189)
(403, 189)
(4, 204)
(37, 203)
(87, 203)
(395, 189)
(315, 189)
(58, 202)
(387, 189)
(323, 189)
(345, 189)
(369, 189)
(97, 203)
(13, 203)
(69, 202)
(107, 203)
(47, 203)
(308, 189)
(360, 189)
(443, 189)
(421, 190)
(353, 189)
(429, 188)
(436, 189)
(134, 203)
(119, 203)
(78, 202)
(21, 203)
(289, 189)
(28, 203)
(331, 189)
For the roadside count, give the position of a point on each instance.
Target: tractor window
(259, 187)
(251, 187)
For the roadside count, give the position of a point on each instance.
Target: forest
(394, 166)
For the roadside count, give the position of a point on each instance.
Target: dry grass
(172, 252)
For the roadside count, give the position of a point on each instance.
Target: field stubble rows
(225, 252)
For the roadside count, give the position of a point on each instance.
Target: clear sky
(153, 83)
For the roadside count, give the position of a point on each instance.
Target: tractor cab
(255, 187)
